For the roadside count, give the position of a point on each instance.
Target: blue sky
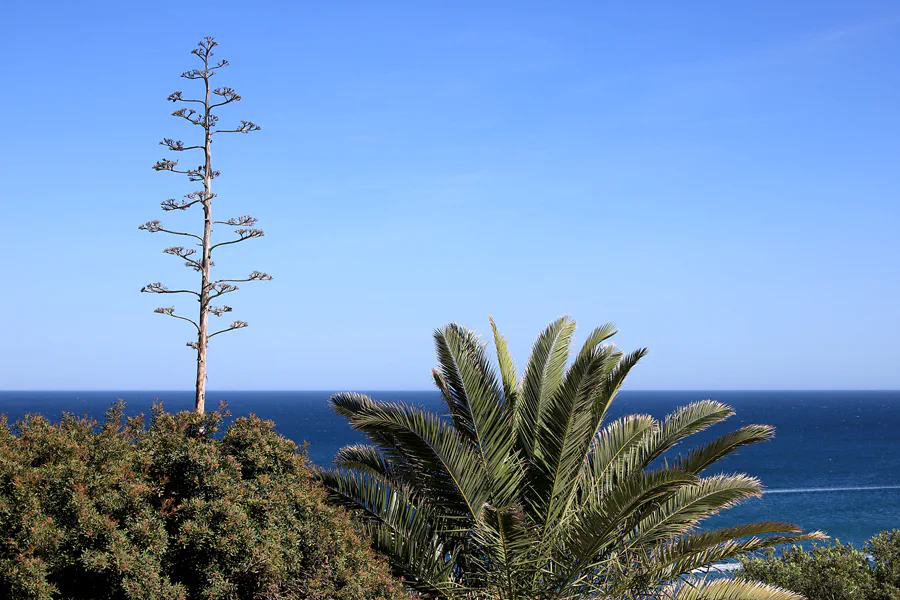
(719, 179)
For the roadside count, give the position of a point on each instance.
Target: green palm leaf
(688, 553)
(604, 517)
(692, 503)
(701, 458)
(436, 452)
(478, 407)
(423, 562)
(621, 368)
(507, 368)
(408, 533)
(726, 589)
(525, 491)
(543, 375)
(509, 541)
(686, 421)
(392, 505)
(611, 446)
(365, 458)
(562, 434)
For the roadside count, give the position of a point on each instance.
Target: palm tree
(524, 490)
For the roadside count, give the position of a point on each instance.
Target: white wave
(722, 567)
(833, 489)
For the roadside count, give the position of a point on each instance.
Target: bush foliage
(168, 510)
(836, 571)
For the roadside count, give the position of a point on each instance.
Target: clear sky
(722, 180)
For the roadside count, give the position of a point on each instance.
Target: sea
(833, 466)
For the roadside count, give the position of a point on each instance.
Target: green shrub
(835, 571)
(884, 549)
(170, 511)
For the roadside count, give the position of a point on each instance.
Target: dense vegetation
(169, 511)
(526, 490)
(834, 572)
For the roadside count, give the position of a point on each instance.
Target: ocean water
(834, 464)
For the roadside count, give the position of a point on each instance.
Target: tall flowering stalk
(210, 289)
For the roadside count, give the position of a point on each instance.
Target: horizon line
(420, 390)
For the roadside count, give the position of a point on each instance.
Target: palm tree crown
(524, 490)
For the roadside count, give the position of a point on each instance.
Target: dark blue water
(834, 464)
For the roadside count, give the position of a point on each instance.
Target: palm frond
(399, 466)
(725, 589)
(614, 381)
(508, 542)
(438, 454)
(697, 460)
(364, 458)
(453, 391)
(728, 551)
(348, 404)
(450, 381)
(606, 515)
(684, 554)
(419, 543)
(597, 337)
(462, 420)
(379, 501)
(615, 441)
(565, 434)
(685, 421)
(507, 368)
(573, 427)
(682, 511)
(424, 562)
(543, 375)
(473, 384)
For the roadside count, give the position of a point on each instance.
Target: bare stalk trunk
(203, 333)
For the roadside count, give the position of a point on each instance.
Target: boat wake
(833, 489)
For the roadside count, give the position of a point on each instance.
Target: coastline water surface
(834, 464)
